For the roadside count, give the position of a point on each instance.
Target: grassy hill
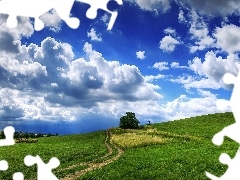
(180, 149)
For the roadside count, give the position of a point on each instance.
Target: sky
(163, 60)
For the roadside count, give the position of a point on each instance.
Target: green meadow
(180, 149)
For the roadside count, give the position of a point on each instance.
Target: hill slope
(180, 149)
(185, 152)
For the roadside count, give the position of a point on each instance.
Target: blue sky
(163, 60)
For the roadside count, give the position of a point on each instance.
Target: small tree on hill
(129, 121)
(2, 135)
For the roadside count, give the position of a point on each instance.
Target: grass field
(185, 152)
(173, 150)
(70, 150)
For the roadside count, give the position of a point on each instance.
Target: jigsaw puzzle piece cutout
(18, 176)
(232, 172)
(36, 8)
(9, 136)
(101, 4)
(3, 165)
(222, 104)
(234, 100)
(28, 8)
(44, 170)
(231, 131)
(63, 8)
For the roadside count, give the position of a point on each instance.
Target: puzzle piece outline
(44, 170)
(4, 167)
(233, 165)
(92, 11)
(36, 8)
(9, 136)
(230, 131)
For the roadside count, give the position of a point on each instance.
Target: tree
(26, 135)
(39, 135)
(129, 121)
(2, 135)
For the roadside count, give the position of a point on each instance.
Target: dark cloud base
(85, 125)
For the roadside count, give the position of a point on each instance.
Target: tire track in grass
(110, 151)
(92, 165)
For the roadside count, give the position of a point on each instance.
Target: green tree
(129, 121)
(26, 135)
(2, 135)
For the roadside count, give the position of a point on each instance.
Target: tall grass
(128, 140)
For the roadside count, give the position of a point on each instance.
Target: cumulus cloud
(94, 36)
(170, 31)
(10, 37)
(199, 33)
(209, 72)
(168, 44)
(52, 20)
(228, 38)
(183, 106)
(161, 66)
(46, 82)
(214, 7)
(215, 67)
(9, 41)
(140, 55)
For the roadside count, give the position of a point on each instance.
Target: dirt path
(92, 165)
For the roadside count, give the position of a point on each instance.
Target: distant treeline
(27, 135)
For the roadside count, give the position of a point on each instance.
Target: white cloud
(205, 42)
(202, 83)
(209, 73)
(181, 18)
(205, 93)
(214, 7)
(211, 8)
(26, 68)
(168, 44)
(228, 38)
(184, 79)
(105, 18)
(161, 66)
(51, 19)
(10, 37)
(151, 78)
(175, 65)
(45, 82)
(94, 36)
(170, 31)
(153, 5)
(183, 107)
(214, 67)
(140, 55)
(199, 33)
